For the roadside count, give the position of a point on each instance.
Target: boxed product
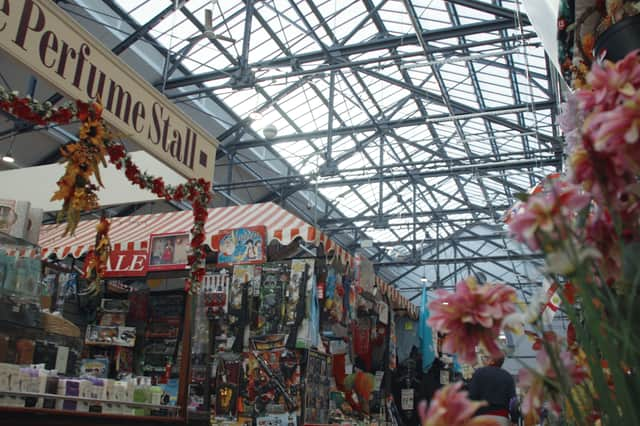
(69, 387)
(110, 335)
(32, 381)
(10, 381)
(14, 216)
(34, 222)
(94, 367)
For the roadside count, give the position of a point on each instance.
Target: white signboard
(43, 37)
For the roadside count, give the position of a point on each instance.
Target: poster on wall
(168, 252)
(317, 389)
(241, 245)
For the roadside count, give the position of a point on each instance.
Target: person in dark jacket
(497, 387)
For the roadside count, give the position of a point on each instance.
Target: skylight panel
(143, 11)
(467, 15)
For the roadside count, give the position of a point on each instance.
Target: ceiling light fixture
(270, 131)
(8, 157)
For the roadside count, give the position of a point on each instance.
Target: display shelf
(95, 400)
(52, 417)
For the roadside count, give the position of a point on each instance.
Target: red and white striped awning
(133, 232)
(397, 300)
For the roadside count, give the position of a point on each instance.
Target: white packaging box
(14, 216)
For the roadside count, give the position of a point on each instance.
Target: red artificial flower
(158, 187)
(116, 153)
(83, 110)
(62, 116)
(178, 194)
(132, 171)
(197, 240)
(21, 109)
(198, 275)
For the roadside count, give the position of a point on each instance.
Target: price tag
(444, 377)
(383, 313)
(406, 399)
(408, 325)
(378, 380)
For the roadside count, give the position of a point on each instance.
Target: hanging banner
(53, 45)
(241, 245)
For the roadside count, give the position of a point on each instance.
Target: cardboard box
(14, 216)
(34, 223)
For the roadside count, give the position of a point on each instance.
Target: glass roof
(413, 119)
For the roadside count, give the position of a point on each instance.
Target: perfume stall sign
(43, 37)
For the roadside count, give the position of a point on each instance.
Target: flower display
(472, 316)
(451, 407)
(544, 216)
(588, 226)
(83, 157)
(97, 258)
(30, 110)
(545, 376)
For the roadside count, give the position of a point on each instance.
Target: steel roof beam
(354, 49)
(492, 9)
(390, 124)
(143, 30)
(430, 241)
(457, 106)
(449, 171)
(469, 260)
(464, 210)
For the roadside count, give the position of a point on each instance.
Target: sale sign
(126, 263)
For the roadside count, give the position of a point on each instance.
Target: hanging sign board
(241, 245)
(124, 263)
(43, 37)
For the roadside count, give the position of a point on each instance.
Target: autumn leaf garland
(78, 190)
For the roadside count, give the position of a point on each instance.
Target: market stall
(277, 308)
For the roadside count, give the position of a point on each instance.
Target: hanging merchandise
(275, 278)
(393, 343)
(317, 388)
(216, 289)
(361, 334)
(245, 281)
(226, 385)
(304, 328)
(334, 300)
(272, 380)
(296, 292)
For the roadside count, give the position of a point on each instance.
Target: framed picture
(168, 252)
(241, 245)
